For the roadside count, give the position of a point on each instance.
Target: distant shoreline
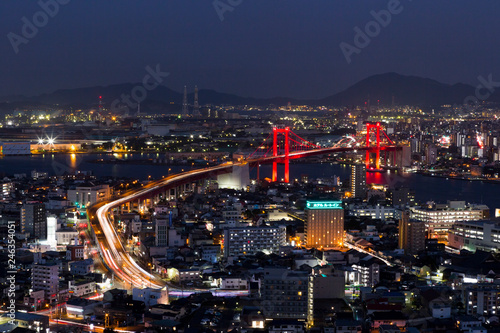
(485, 180)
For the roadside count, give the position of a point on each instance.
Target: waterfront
(426, 188)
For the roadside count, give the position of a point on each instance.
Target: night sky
(262, 48)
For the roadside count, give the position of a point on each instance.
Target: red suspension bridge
(283, 144)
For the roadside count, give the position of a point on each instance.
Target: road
(110, 246)
(359, 249)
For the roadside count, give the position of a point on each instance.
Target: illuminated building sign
(324, 205)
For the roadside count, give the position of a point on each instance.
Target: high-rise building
(161, 232)
(51, 231)
(284, 293)
(415, 145)
(358, 180)
(411, 234)
(45, 277)
(325, 285)
(325, 224)
(34, 220)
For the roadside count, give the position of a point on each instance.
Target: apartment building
(439, 218)
(250, 240)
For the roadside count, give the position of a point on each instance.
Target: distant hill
(406, 90)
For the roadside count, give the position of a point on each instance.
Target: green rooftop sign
(324, 205)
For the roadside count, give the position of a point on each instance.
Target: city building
(369, 270)
(286, 325)
(347, 326)
(358, 180)
(411, 234)
(51, 232)
(186, 275)
(66, 236)
(277, 215)
(15, 148)
(84, 196)
(81, 307)
(482, 299)
(74, 252)
(475, 235)
(34, 220)
(210, 253)
(324, 226)
(430, 154)
(232, 282)
(284, 293)
(402, 197)
(375, 212)
(151, 296)
(250, 240)
(45, 277)
(325, 284)
(439, 218)
(81, 288)
(6, 190)
(232, 213)
(161, 232)
(39, 174)
(82, 267)
(469, 323)
(31, 321)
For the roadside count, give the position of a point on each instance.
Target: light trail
(359, 249)
(114, 253)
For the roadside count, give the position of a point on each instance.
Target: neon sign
(324, 205)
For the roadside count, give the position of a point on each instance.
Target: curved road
(110, 246)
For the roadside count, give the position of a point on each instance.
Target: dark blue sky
(263, 48)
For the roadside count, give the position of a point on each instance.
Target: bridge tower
(285, 145)
(285, 131)
(376, 127)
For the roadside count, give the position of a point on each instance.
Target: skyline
(85, 44)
